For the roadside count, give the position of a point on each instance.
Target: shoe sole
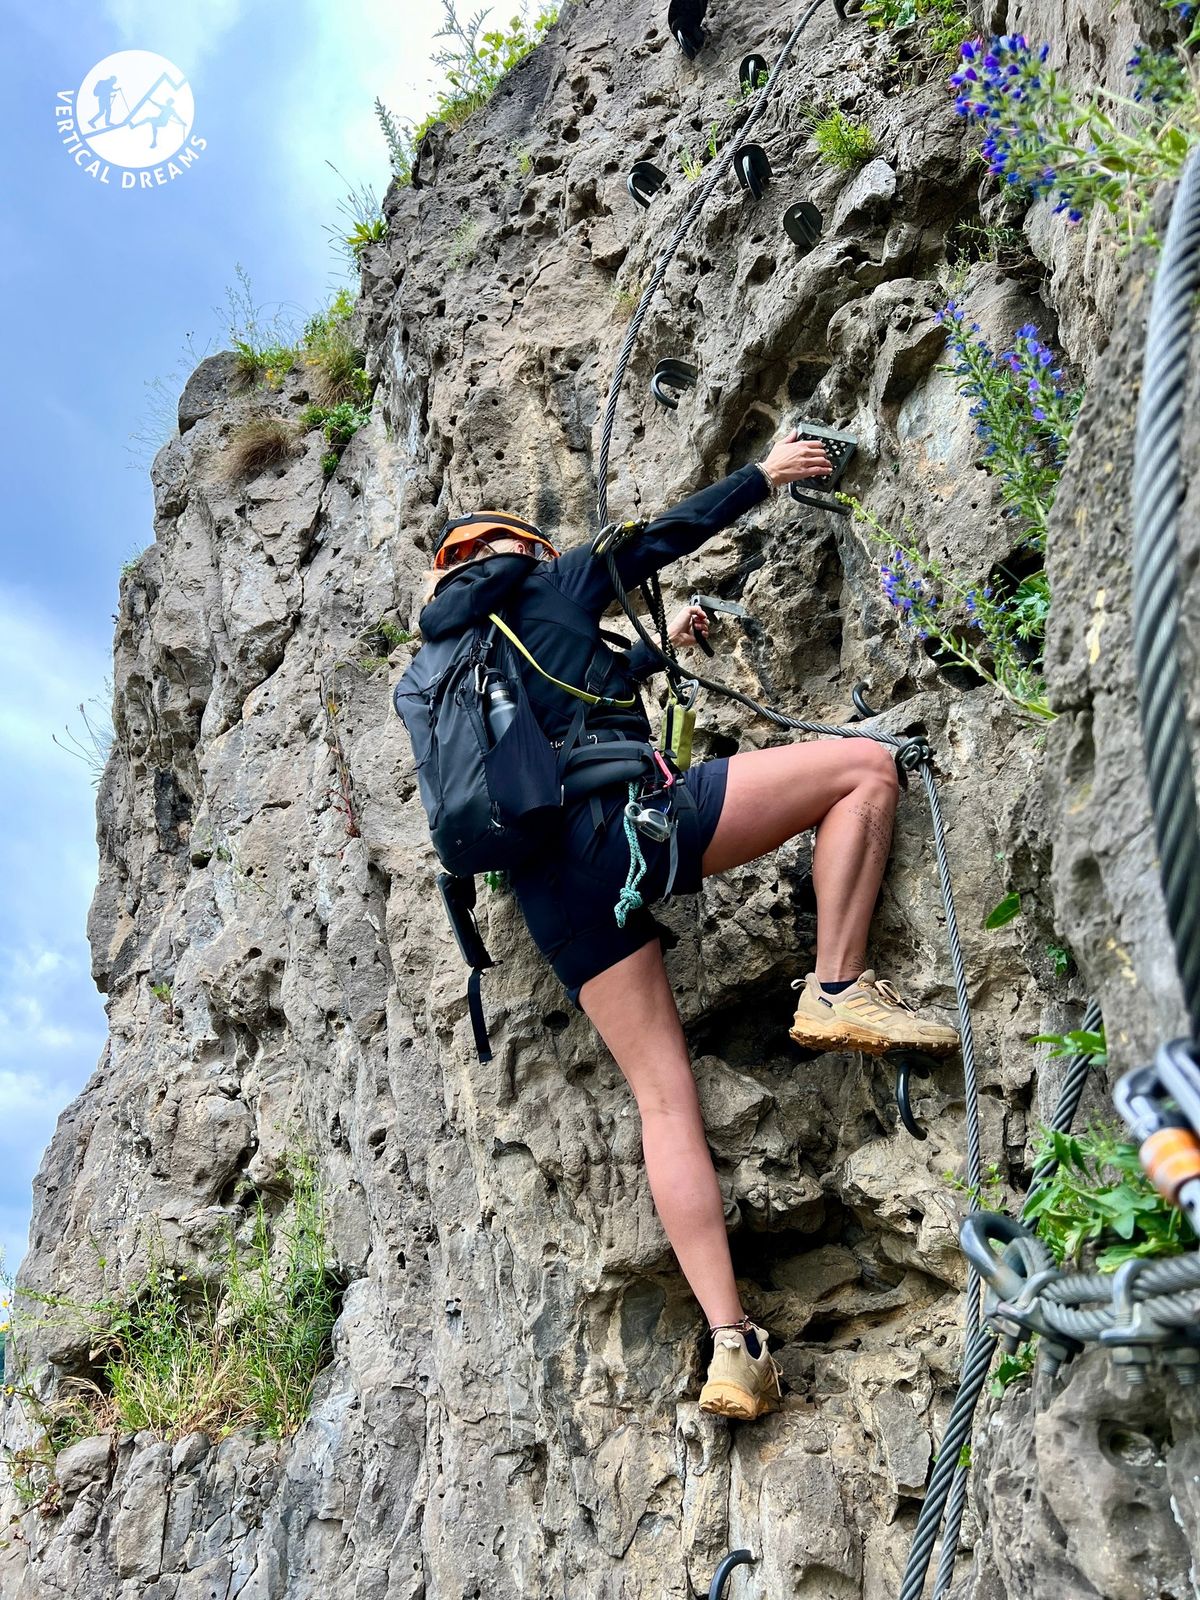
(818, 1035)
(729, 1400)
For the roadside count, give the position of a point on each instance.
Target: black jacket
(554, 607)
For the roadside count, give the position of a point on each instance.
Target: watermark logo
(129, 124)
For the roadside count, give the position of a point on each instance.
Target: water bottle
(499, 708)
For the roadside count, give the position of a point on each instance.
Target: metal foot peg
(674, 374)
(735, 1558)
(644, 181)
(684, 19)
(862, 711)
(752, 169)
(840, 448)
(909, 1062)
(753, 68)
(803, 223)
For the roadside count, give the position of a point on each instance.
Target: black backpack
(491, 782)
(490, 793)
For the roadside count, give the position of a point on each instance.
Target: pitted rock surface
(510, 1410)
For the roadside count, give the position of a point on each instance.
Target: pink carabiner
(668, 775)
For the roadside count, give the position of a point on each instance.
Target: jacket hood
(466, 597)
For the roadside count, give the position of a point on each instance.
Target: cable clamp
(913, 753)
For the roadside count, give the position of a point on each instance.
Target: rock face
(509, 1411)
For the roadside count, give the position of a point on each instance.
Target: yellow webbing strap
(580, 694)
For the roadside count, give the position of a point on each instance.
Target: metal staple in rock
(716, 172)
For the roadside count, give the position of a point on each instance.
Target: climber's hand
(684, 627)
(793, 459)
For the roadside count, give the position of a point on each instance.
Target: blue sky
(107, 291)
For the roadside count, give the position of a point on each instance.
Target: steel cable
(1069, 1095)
(977, 1360)
(1157, 496)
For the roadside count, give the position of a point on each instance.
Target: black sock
(836, 988)
(752, 1343)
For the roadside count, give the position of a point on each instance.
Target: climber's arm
(584, 578)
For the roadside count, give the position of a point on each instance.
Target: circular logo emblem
(134, 109)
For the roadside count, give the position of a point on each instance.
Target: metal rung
(735, 1558)
(751, 70)
(676, 374)
(644, 181)
(752, 168)
(840, 448)
(803, 223)
(684, 19)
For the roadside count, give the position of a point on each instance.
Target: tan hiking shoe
(869, 1016)
(738, 1384)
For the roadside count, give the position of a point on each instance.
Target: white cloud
(182, 33)
(383, 51)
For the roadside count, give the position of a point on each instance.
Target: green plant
(400, 150)
(1076, 1042)
(1098, 1199)
(333, 356)
(475, 61)
(713, 129)
(524, 159)
(991, 1193)
(941, 610)
(1060, 956)
(626, 301)
(163, 994)
(463, 244)
(1024, 415)
(942, 25)
(175, 1354)
(1004, 912)
(691, 166)
(98, 733)
(382, 637)
(1010, 1368)
(745, 90)
(473, 67)
(329, 462)
(1090, 148)
(840, 140)
(363, 222)
(264, 342)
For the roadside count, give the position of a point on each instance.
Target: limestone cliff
(507, 1412)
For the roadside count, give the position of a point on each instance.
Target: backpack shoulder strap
(581, 694)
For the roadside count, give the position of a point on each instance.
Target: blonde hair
(434, 575)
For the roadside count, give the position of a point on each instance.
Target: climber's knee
(877, 768)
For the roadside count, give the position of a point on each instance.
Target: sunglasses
(468, 551)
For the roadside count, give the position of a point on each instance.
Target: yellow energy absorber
(678, 726)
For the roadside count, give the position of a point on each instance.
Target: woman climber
(599, 937)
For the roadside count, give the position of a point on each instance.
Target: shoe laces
(889, 992)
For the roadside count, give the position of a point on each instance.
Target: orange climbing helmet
(479, 526)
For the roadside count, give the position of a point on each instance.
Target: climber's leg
(633, 1009)
(845, 788)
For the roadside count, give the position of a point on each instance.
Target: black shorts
(569, 900)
